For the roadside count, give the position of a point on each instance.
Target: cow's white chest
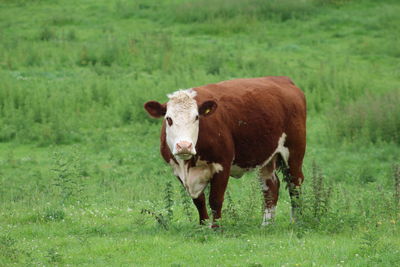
(195, 178)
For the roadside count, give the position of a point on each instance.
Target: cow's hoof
(215, 226)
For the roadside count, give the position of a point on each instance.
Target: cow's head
(181, 115)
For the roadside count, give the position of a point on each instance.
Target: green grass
(81, 178)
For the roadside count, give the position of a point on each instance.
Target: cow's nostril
(184, 146)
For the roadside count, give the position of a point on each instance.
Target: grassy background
(81, 178)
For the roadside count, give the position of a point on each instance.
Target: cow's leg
(294, 177)
(200, 203)
(270, 188)
(217, 191)
(296, 143)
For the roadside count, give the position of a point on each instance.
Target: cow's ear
(155, 109)
(207, 108)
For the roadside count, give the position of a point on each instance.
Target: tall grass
(61, 79)
(206, 10)
(370, 118)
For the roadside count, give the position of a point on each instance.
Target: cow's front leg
(217, 192)
(200, 203)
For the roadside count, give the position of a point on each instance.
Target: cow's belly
(239, 168)
(238, 172)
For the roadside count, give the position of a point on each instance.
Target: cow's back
(251, 117)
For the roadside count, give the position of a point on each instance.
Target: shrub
(68, 180)
(372, 118)
(315, 201)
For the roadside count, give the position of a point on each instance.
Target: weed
(68, 179)
(315, 202)
(163, 217)
(320, 195)
(158, 216)
(396, 176)
(231, 209)
(168, 200)
(186, 203)
(255, 199)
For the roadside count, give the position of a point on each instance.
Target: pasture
(81, 178)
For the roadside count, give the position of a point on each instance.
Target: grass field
(81, 178)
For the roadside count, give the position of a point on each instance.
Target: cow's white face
(182, 124)
(181, 115)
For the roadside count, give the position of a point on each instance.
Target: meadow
(81, 178)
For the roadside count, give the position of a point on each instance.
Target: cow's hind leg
(294, 177)
(270, 188)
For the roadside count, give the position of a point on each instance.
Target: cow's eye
(169, 120)
(197, 117)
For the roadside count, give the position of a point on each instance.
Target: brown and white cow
(219, 130)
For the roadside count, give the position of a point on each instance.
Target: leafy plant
(186, 204)
(163, 216)
(68, 178)
(158, 216)
(168, 200)
(231, 209)
(315, 201)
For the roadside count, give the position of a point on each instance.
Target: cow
(212, 132)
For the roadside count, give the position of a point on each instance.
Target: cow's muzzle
(184, 150)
